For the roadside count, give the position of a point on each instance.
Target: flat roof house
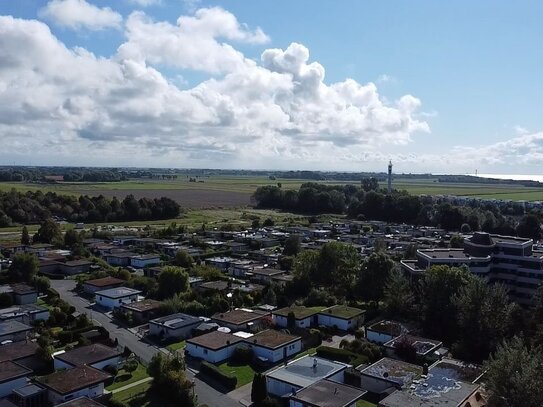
(81, 402)
(305, 317)
(24, 294)
(23, 353)
(423, 346)
(265, 275)
(26, 314)
(273, 346)
(14, 331)
(12, 376)
(81, 381)
(141, 311)
(120, 258)
(96, 355)
(30, 395)
(213, 347)
(115, 297)
(387, 374)
(301, 373)
(384, 331)
(144, 260)
(74, 267)
(174, 326)
(99, 284)
(326, 393)
(240, 319)
(342, 317)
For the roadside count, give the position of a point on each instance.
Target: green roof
(300, 312)
(342, 311)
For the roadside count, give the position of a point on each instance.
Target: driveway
(206, 394)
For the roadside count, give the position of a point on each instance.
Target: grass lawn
(123, 378)
(135, 396)
(244, 373)
(364, 403)
(176, 346)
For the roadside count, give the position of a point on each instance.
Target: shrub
(340, 355)
(111, 369)
(242, 355)
(229, 381)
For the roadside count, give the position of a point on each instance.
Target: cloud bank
(66, 105)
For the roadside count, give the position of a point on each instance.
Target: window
(205, 351)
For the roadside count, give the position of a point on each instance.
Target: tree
(71, 238)
(338, 266)
(268, 222)
(457, 242)
(49, 232)
(373, 276)
(24, 267)
(41, 283)
(292, 246)
(183, 259)
(398, 295)
(305, 264)
(484, 315)
(130, 366)
(256, 223)
(291, 320)
(172, 280)
(530, 227)
(439, 285)
(25, 237)
(259, 392)
(465, 228)
(369, 184)
(269, 296)
(513, 375)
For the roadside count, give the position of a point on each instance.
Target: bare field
(187, 198)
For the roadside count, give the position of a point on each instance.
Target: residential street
(206, 394)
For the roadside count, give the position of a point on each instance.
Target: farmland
(235, 192)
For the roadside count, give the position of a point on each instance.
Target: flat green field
(231, 191)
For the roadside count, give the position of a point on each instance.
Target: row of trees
(35, 207)
(368, 202)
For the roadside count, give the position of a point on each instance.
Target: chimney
(425, 369)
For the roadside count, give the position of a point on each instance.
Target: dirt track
(187, 198)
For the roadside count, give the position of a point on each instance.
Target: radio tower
(389, 177)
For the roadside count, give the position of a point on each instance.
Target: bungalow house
(81, 381)
(384, 331)
(24, 353)
(174, 326)
(273, 346)
(222, 263)
(388, 374)
(213, 347)
(265, 275)
(74, 267)
(240, 319)
(152, 272)
(115, 297)
(144, 260)
(14, 331)
(422, 346)
(12, 376)
(24, 294)
(327, 393)
(100, 284)
(282, 279)
(30, 395)
(96, 355)
(26, 314)
(124, 240)
(301, 373)
(119, 258)
(341, 316)
(141, 312)
(81, 402)
(304, 317)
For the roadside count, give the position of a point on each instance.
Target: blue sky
(473, 70)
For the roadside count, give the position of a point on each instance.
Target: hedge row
(341, 355)
(228, 380)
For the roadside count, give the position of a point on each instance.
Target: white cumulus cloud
(77, 14)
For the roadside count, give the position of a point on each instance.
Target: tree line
(368, 202)
(36, 207)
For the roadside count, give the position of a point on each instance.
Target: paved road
(206, 394)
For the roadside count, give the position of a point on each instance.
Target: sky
(441, 87)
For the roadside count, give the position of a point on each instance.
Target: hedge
(228, 380)
(341, 355)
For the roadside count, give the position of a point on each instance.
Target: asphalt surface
(206, 394)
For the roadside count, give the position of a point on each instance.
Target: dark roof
(481, 238)
(10, 371)
(81, 402)
(104, 282)
(215, 340)
(69, 381)
(326, 393)
(17, 350)
(29, 390)
(88, 355)
(268, 272)
(75, 263)
(175, 321)
(143, 306)
(238, 316)
(12, 326)
(272, 339)
(299, 311)
(21, 288)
